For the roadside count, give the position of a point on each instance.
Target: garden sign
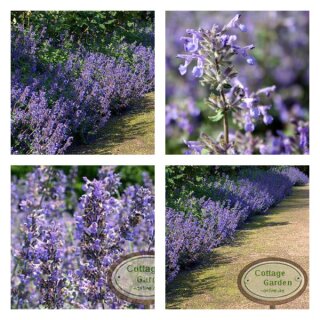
(272, 281)
(132, 278)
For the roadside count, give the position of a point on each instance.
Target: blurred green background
(130, 175)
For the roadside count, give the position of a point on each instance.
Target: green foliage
(58, 33)
(130, 175)
(183, 182)
(218, 116)
(20, 171)
(100, 31)
(50, 54)
(133, 174)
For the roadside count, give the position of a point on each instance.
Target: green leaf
(111, 21)
(232, 75)
(210, 79)
(205, 151)
(214, 92)
(219, 87)
(217, 117)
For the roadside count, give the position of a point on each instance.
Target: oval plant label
(272, 281)
(132, 278)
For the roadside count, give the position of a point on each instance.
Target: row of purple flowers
(207, 222)
(54, 104)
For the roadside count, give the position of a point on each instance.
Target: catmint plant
(38, 261)
(279, 61)
(54, 105)
(98, 230)
(213, 52)
(63, 244)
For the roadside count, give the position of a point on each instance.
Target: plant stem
(225, 107)
(225, 120)
(226, 128)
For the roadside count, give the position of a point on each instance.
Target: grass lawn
(129, 133)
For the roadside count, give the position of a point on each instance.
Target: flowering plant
(62, 248)
(212, 55)
(59, 100)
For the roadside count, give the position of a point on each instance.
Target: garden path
(129, 133)
(283, 232)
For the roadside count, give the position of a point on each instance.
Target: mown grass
(129, 133)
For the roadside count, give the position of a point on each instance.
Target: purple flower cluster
(54, 104)
(219, 41)
(61, 254)
(197, 225)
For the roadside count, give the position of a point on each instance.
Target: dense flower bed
(55, 103)
(205, 222)
(62, 248)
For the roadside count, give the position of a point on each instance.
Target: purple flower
(234, 23)
(197, 71)
(93, 229)
(267, 119)
(244, 52)
(191, 44)
(248, 126)
(267, 91)
(254, 112)
(195, 147)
